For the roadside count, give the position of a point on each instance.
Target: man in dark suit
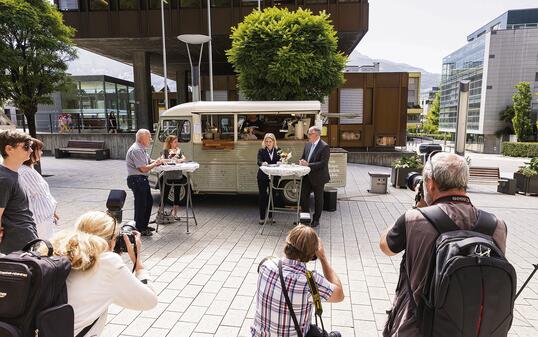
(316, 156)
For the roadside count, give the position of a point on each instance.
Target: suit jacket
(263, 156)
(319, 163)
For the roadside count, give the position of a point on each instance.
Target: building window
(218, 95)
(491, 56)
(128, 4)
(535, 77)
(350, 136)
(68, 5)
(385, 141)
(99, 5)
(489, 87)
(351, 102)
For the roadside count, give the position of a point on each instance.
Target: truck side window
(177, 127)
(217, 127)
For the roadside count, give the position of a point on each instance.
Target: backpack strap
(486, 223)
(439, 219)
(84, 331)
(288, 302)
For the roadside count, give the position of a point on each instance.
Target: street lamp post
(210, 49)
(164, 57)
(195, 70)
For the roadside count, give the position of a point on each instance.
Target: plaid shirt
(272, 315)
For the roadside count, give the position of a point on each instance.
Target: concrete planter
(398, 176)
(526, 185)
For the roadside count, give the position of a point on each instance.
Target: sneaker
(146, 232)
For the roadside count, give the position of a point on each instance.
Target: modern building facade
(130, 31)
(88, 103)
(413, 102)
(426, 101)
(496, 57)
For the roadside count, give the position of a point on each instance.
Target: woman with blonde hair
(99, 277)
(267, 155)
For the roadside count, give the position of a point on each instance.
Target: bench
(479, 174)
(85, 147)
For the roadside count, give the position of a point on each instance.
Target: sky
(422, 32)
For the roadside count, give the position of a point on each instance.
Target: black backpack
(471, 287)
(33, 294)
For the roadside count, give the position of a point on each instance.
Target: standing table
(297, 172)
(187, 168)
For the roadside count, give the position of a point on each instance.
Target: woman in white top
(40, 201)
(99, 277)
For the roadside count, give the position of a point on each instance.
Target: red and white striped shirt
(272, 316)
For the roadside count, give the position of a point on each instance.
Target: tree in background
(506, 116)
(283, 55)
(35, 45)
(522, 109)
(432, 119)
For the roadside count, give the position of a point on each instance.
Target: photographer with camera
(286, 290)
(99, 277)
(419, 232)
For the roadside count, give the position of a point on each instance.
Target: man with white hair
(316, 156)
(445, 179)
(139, 164)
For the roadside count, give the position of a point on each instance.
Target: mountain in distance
(89, 63)
(428, 80)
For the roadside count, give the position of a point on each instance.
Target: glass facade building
(464, 64)
(94, 99)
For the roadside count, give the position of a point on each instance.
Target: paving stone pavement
(206, 280)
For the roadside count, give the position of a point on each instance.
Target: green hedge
(520, 149)
(437, 136)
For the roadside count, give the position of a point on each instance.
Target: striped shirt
(272, 316)
(40, 200)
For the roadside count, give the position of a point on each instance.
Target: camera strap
(135, 247)
(288, 302)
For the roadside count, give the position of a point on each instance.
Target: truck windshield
(181, 128)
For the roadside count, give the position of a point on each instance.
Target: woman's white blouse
(40, 200)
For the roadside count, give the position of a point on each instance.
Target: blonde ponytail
(91, 237)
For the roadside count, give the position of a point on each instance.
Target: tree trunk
(32, 130)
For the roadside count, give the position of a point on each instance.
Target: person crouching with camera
(283, 285)
(99, 277)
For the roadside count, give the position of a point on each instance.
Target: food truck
(215, 135)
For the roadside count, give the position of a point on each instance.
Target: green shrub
(408, 162)
(531, 169)
(520, 149)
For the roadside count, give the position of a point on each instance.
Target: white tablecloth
(185, 167)
(286, 170)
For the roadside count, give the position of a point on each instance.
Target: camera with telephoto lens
(316, 331)
(414, 179)
(120, 246)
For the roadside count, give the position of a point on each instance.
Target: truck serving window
(218, 127)
(181, 128)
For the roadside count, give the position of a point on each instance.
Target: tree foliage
(432, 119)
(35, 45)
(506, 115)
(522, 108)
(283, 55)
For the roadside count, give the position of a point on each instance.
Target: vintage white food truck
(214, 135)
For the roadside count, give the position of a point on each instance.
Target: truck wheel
(290, 192)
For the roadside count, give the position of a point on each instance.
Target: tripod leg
(527, 281)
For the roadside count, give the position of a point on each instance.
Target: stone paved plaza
(206, 280)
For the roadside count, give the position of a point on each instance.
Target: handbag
(314, 330)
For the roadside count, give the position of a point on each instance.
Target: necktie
(311, 151)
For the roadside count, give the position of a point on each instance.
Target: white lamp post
(210, 50)
(195, 70)
(164, 57)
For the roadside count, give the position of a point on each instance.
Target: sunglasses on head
(27, 146)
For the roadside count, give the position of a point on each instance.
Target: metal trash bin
(378, 182)
(329, 199)
(426, 149)
(507, 186)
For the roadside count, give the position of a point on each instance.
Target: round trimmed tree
(283, 55)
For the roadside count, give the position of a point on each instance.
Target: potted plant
(527, 177)
(402, 167)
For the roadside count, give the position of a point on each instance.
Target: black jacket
(319, 163)
(263, 156)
